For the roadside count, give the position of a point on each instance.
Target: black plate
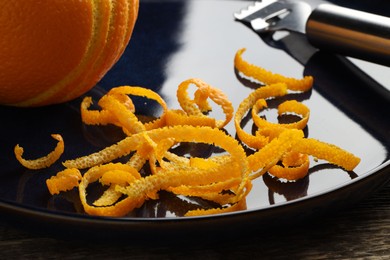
(177, 40)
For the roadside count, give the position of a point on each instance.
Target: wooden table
(359, 231)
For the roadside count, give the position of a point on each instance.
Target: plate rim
(74, 220)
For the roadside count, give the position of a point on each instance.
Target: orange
(53, 51)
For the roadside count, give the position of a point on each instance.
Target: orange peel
(265, 158)
(329, 152)
(200, 172)
(94, 117)
(199, 105)
(42, 162)
(146, 93)
(267, 77)
(271, 91)
(294, 166)
(280, 149)
(63, 181)
(290, 106)
(120, 208)
(119, 109)
(179, 117)
(241, 205)
(125, 118)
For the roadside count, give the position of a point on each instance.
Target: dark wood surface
(360, 231)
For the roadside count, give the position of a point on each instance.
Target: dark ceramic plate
(177, 40)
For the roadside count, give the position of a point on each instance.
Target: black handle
(350, 33)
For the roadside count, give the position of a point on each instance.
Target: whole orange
(52, 51)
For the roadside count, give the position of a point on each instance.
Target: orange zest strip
(120, 208)
(179, 117)
(199, 104)
(109, 197)
(108, 154)
(329, 152)
(126, 118)
(103, 117)
(63, 181)
(290, 106)
(119, 176)
(134, 142)
(241, 205)
(147, 93)
(94, 117)
(115, 174)
(268, 77)
(45, 161)
(201, 172)
(273, 152)
(163, 181)
(270, 91)
(118, 109)
(210, 192)
(226, 179)
(295, 167)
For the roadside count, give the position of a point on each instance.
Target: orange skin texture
(54, 51)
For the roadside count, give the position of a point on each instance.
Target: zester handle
(350, 33)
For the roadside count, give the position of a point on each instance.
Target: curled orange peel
(198, 172)
(280, 149)
(94, 117)
(329, 152)
(262, 160)
(241, 205)
(294, 166)
(120, 208)
(199, 105)
(290, 106)
(103, 117)
(179, 117)
(267, 77)
(42, 162)
(271, 91)
(63, 181)
(108, 198)
(146, 93)
(269, 133)
(119, 109)
(211, 192)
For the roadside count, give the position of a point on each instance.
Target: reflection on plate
(199, 39)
